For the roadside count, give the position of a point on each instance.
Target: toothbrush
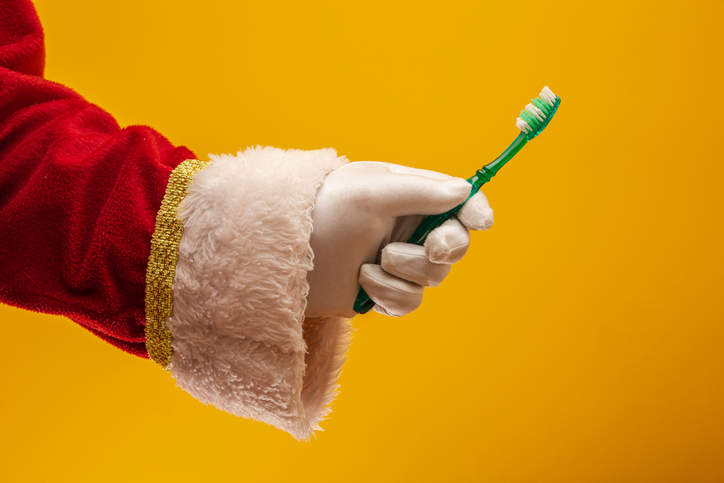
(531, 123)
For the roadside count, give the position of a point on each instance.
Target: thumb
(416, 193)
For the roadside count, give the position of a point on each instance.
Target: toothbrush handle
(363, 303)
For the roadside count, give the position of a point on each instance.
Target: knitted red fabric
(78, 195)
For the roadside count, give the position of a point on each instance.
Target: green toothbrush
(531, 123)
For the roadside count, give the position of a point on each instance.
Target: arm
(202, 266)
(79, 202)
(78, 195)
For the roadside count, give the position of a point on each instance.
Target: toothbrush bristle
(523, 126)
(536, 115)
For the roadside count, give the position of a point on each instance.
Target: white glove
(363, 212)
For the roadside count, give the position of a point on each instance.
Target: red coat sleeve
(78, 195)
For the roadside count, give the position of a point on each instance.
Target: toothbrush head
(538, 113)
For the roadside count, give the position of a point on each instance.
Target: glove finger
(476, 213)
(409, 262)
(398, 297)
(401, 169)
(399, 194)
(381, 310)
(447, 243)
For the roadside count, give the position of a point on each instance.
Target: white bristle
(547, 95)
(548, 90)
(534, 111)
(523, 126)
(546, 98)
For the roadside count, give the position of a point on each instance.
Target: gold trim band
(161, 268)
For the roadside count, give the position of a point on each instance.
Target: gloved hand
(363, 213)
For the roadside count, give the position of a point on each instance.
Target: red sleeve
(78, 195)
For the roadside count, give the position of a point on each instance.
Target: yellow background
(581, 340)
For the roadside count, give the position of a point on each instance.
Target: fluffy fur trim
(240, 341)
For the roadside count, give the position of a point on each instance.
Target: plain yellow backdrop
(580, 340)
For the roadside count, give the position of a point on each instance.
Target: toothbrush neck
(484, 174)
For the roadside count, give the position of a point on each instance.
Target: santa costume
(200, 266)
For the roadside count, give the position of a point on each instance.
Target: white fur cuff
(239, 336)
